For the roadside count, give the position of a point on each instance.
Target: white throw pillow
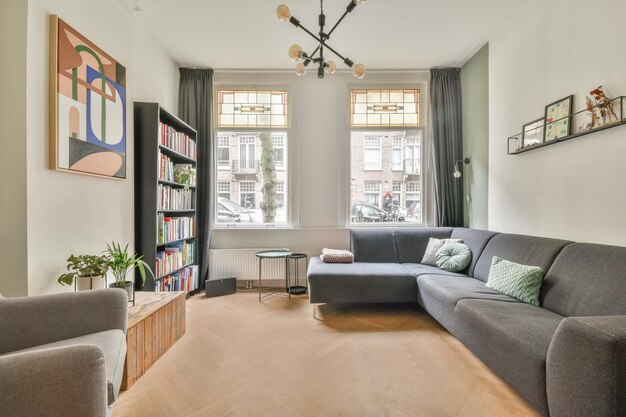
(430, 256)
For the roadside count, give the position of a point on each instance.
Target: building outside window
(386, 163)
(252, 140)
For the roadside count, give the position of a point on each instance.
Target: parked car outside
(230, 212)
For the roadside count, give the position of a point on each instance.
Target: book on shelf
(166, 168)
(169, 198)
(184, 280)
(174, 257)
(174, 228)
(177, 141)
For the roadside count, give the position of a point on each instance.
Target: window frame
(288, 155)
(425, 175)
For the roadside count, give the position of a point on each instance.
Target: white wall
(319, 149)
(70, 213)
(13, 147)
(573, 190)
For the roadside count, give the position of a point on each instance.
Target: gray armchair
(62, 354)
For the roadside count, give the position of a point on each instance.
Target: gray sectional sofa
(567, 357)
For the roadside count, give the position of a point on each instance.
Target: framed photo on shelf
(557, 116)
(532, 133)
(87, 106)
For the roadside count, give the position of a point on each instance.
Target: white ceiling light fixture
(296, 53)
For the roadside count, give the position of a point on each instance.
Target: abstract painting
(88, 105)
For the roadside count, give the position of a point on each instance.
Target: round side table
(283, 253)
(298, 289)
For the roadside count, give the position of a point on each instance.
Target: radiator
(243, 265)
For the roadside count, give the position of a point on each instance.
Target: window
(278, 142)
(372, 193)
(375, 108)
(247, 195)
(413, 162)
(223, 151)
(397, 153)
(252, 143)
(223, 189)
(386, 140)
(280, 194)
(251, 108)
(372, 153)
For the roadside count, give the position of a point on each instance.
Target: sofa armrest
(586, 367)
(54, 382)
(32, 321)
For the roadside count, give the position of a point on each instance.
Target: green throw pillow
(515, 280)
(453, 257)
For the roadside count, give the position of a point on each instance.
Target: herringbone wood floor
(242, 358)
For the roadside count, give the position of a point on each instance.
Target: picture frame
(558, 119)
(87, 101)
(533, 132)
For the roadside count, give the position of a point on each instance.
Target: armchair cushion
(113, 345)
(54, 382)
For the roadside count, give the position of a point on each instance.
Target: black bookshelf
(148, 116)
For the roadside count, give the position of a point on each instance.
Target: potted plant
(120, 262)
(184, 174)
(83, 267)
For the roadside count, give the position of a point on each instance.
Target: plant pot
(127, 286)
(90, 283)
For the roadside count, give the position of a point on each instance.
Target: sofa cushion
(453, 257)
(360, 282)
(439, 294)
(516, 280)
(586, 280)
(434, 244)
(525, 250)
(513, 340)
(476, 240)
(373, 244)
(411, 242)
(421, 269)
(112, 343)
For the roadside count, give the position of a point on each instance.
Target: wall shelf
(618, 104)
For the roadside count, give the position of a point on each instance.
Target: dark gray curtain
(195, 107)
(445, 101)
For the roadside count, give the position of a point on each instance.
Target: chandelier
(296, 53)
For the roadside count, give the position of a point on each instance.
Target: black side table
(298, 289)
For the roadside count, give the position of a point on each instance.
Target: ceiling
(382, 34)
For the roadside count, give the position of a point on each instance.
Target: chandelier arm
(322, 43)
(337, 24)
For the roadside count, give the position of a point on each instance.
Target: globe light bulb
(331, 67)
(283, 13)
(457, 173)
(300, 69)
(359, 71)
(295, 52)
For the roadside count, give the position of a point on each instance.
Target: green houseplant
(121, 262)
(84, 266)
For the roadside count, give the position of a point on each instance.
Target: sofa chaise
(566, 357)
(62, 354)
